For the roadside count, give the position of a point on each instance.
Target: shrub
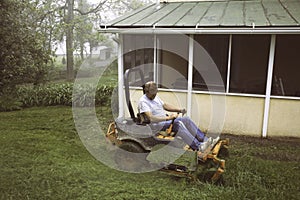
(9, 100)
(9, 103)
(62, 94)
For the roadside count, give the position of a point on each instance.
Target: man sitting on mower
(154, 108)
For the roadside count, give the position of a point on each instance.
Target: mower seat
(142, 119)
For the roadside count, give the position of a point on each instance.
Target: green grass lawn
(42, 157)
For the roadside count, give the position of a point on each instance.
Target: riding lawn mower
(138, 145)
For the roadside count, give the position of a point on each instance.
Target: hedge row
(63, 94)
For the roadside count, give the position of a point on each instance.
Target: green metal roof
(203, 14)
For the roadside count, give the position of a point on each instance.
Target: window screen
(210, 56)
(286, 80)
(249, 63)
(139, 52)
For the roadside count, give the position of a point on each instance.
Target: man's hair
(150, 87)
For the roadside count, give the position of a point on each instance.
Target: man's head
(150, 90)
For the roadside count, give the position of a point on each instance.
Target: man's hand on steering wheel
(183, 111)
(173, 116)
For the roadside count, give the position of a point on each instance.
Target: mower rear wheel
(131, 157)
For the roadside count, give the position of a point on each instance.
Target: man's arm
(158, 118)
(172, 108)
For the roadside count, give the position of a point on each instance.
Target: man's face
(151, 94)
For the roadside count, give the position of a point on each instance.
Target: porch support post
(155, 59)
(269, 86)
(229, 64)
(190, 75)
(120, 76)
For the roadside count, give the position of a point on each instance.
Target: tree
(70, 24)
(24, 57)
(69, 40)
(77, 22)
(82, 22)
(30, 27)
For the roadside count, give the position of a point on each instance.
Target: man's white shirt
(154, 106)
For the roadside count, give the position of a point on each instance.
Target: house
(234, 65)
(105, 51)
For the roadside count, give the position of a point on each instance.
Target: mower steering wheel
(169, 130)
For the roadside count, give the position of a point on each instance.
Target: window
(286, 81)
(210, 62)
(249, 63)
(173, 61)
(139, 52)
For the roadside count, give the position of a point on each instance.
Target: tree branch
(93, 10)
(41, 19)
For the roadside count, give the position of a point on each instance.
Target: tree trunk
(69, 41)
(91, 47)
(81, 50)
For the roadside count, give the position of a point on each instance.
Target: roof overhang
(211, 17)
(154, 30)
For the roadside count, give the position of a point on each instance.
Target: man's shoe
(205, 144)
(214, 141)
(210, 142)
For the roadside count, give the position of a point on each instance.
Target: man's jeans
(185, 128)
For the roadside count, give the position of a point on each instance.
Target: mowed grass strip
(42, 157)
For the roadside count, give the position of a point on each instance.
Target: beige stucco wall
(284, 118)
(241, 116)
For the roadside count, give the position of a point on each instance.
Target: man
(154, 108)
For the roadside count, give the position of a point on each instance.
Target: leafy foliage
(63, 94)
(9, 103)
(23, 58)
(29, 29)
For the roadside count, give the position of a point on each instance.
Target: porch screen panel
(249, 63)
(173, 61)
(138, 51)
(286, 80)
(216, 56)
